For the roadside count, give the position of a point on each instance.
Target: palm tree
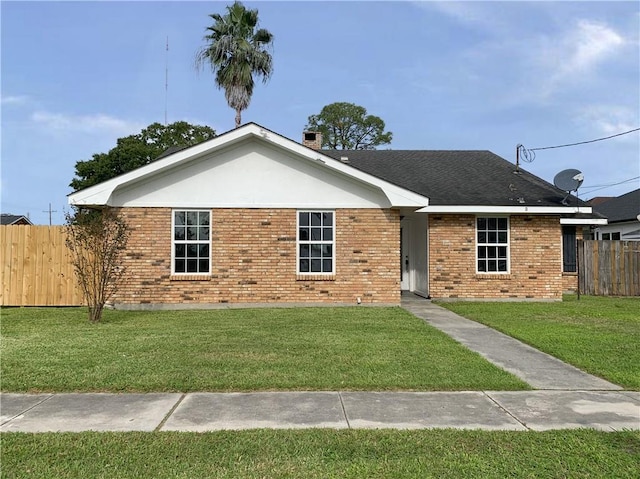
(236, 50)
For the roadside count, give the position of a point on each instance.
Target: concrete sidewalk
(538, 369)
(488, 410)
(570, 399)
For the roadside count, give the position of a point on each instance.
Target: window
(492, 239)
(191, 242)
(611, 236)
(316, 242)
(569, 253)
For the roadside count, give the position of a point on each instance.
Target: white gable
(250, 175)
(248, 167)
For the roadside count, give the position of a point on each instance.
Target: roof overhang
(529, 210)
(583, 221)
(101, 194)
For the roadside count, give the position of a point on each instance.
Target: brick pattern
(535, 259)
(254, 259)
(312, 139)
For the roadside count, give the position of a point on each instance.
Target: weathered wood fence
(36, 267)
(609, 268)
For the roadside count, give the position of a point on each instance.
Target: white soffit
(583, 221)
(103, 193)
(531, 210)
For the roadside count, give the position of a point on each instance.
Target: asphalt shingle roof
(463, 177)
(622, 208)
(9, 219)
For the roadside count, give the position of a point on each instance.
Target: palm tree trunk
(238, 117)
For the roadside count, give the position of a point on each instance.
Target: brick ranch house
(253, 217)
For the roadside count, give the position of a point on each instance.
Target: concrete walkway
(536, 368)
(568, 398)
(517, 411)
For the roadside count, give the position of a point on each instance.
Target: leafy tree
(134, 151)
(346, 126)
(97, 240)
(236, 50)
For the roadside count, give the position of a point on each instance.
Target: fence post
(580, 250)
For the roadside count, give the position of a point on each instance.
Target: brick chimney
(312, 139)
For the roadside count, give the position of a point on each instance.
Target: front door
(413, 255)
(405, 249)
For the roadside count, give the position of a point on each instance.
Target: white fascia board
(583, 221)
(531, 210)
(100, 194)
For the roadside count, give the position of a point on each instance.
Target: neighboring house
(623, 217)
(252, 217)
(8, 219)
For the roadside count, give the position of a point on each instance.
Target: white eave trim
(531, 210)
(583, 221)
(101, 193)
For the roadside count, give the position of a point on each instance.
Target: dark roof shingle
(459, 177)
(622, 208)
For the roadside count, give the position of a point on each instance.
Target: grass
(600, 335)
(323, 454)
(57, 350)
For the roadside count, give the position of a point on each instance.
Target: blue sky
(442, 75)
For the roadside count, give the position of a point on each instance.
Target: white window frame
(331, 242)
(174, 242)
(507, 244)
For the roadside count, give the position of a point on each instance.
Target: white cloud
(97, 123)
(477, 14)
(587, 45)
(574, 55)
(609, 119)
(14, 100)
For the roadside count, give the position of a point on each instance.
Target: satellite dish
(568, 180)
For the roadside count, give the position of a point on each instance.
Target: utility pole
(50, 211)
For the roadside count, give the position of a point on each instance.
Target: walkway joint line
(27, 410)
(506, 411)
(171, 411)
(344, 411)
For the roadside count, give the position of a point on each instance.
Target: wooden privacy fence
(36, 267)
(609, 268)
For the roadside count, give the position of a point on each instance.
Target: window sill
(315, 277)
(493, 275)
(569, 273)
(190, 277)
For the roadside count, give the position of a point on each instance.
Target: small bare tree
(97, 240)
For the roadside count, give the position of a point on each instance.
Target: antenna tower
(166, 80)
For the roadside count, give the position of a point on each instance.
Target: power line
(528, 154)
(602, 187)
(584, 142)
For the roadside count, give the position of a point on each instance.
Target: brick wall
(535, 259)
(254, 259)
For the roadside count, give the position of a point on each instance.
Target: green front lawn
(359, 348)
(323, 454)
(600, 335)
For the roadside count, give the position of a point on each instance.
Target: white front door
(405, 249)
(413, 255)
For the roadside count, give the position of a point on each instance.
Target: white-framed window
(492, 245)
(191, 242)
(316, 242)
